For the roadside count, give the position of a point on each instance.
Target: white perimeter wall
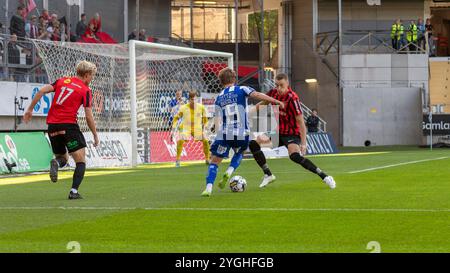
(385, 116)
(385, 70)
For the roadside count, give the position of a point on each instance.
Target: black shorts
(64, 136)
(286, 140)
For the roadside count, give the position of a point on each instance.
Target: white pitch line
(398, 164)
(232, 209)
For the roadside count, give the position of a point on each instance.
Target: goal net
(132, 94)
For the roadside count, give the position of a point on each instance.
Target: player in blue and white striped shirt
(231, 125)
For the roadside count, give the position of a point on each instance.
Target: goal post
(132, 91)
(133, 102)
(133, 44)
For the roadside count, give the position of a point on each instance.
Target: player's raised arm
(265, 98)
(44, 90)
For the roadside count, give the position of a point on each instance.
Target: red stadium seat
(105, 38)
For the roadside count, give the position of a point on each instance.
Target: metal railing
(19, 61)
(367, 42)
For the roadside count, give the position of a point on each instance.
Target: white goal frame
(133, 87)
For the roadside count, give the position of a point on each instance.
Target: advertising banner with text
(440, 126)
(318, 143)
(24, 93)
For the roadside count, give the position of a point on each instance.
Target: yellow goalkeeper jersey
(190, 121)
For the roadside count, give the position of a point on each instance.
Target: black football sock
(61, 161)
(78, 175)
(259, 156)
(307, 164)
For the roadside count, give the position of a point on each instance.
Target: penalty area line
(398, 164)
(233, 209)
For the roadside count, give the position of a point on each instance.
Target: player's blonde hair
(227, 76)
(85, 67)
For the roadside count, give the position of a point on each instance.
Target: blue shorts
(221, 147)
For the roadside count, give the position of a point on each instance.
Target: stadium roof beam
(211, 7)
(218, 4)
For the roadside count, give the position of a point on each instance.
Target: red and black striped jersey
(287, 124)
(70, 94)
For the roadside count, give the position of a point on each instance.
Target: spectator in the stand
(93, 27)
(46, 16)
(42, 25)
(56, 34)
(429, 29)
(312, 122)
(94, 33)
(421, 33)
(31, 28)
(81, 26)
(411, 36)
(402, 36)
(133, 35)
(142, 36)
(53, 21)
(16, 74)
(17, 24)
(13, 50)
(90, 32)
(44, 35)
(96, 23)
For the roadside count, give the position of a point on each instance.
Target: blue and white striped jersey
(231, 106)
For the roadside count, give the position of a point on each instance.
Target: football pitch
(397, 199)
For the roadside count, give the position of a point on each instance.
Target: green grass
(405, 208)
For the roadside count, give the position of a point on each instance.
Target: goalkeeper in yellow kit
(190, 122)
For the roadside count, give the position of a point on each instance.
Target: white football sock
(209, 187)
(74, 190)
(230, 171)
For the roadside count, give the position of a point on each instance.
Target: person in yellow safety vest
(411, 36)
(397, 32)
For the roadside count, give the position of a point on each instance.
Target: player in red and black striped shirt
(65, 136)
(292, 130)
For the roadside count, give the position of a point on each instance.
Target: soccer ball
(238, 184)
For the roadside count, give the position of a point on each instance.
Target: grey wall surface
(385, 69)
(155, 17)
(7, 124)
(385, 116)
